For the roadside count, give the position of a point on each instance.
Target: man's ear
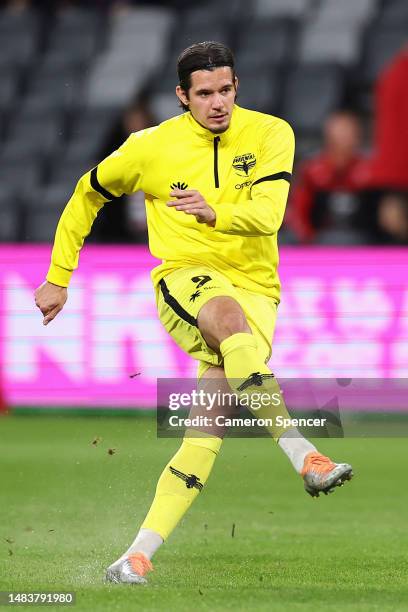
(236, 84)
(181, 94)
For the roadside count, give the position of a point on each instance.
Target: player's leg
(186, 473)
(177, 309)
(181, 481)
(225, 328)
(233, 327)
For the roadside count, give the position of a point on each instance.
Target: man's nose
(217, 101)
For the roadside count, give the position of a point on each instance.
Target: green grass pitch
(68, 509)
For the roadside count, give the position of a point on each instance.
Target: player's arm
(263, 214)
(119, 173)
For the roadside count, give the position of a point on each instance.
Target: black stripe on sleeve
(95, 184)
(174, 305)
(286, 176)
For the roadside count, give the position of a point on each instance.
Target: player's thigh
(180, 296)
(261, 312)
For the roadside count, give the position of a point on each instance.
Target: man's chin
(219, 129)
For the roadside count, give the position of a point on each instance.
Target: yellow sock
(181, 481)
(241, 363)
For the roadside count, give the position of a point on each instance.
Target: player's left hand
(192, 202)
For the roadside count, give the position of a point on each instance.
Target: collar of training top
(206, 134)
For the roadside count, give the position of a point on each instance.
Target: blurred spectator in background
(124, 219)
(393, 218)
(390, 160)
(328, 193)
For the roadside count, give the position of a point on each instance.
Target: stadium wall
(344, 313)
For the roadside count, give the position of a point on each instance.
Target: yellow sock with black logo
(181, 481)
(247, 374)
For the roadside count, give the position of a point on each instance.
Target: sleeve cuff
(59, 276)
(223, 221)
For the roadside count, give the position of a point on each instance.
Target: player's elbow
(255, 232)
(269, 229)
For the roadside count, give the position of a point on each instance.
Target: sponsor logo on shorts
(201, 280)
(194, 296)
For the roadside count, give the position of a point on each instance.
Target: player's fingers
(192, 197)
(44, 309)
(190, 208)
(51, 315)
(183, 202)
(182, 193)
(194, 211)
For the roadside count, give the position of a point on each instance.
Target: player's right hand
(50, 299)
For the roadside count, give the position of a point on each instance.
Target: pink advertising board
(344, 313)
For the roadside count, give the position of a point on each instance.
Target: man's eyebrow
(204, 90)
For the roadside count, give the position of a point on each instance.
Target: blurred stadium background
(76, 78)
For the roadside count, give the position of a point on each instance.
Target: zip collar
(216, 176)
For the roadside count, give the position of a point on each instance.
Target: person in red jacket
(390, 159)
(326, 192)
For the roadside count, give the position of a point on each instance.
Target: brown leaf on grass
(111, 451)
(30, 529)
(96, 441)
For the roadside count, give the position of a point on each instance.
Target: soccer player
(216, 180)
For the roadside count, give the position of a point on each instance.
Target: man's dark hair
(202, 56)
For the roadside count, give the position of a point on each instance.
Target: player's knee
(233, 322)
(221, 318)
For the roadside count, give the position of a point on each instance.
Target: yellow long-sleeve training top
(243, 174)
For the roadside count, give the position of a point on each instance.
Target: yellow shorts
(181, 295)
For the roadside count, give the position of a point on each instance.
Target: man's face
(342, 135)
(211, 97)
